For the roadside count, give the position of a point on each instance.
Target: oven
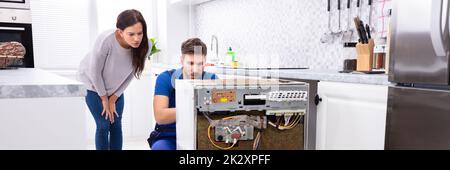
(16, 4)
(15, 25)
(20, 33)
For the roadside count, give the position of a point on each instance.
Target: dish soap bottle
(231, 55)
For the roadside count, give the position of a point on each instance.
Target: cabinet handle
(317, 100)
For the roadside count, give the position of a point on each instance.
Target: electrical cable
(217, 146)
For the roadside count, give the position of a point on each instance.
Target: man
(193, 60)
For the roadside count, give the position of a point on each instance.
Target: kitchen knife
(356, 20)
(363, 33)
(368, 31)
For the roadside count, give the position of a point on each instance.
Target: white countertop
(310, 74)
(33, 83)
(30, 76)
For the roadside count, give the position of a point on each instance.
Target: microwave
(16, 4)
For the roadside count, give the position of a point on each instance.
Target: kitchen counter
(42, 107)
(304, 74)
(37, 83)
(308, 74)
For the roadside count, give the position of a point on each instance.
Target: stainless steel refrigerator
(418, 115)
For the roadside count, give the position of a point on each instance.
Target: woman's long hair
(129, 18)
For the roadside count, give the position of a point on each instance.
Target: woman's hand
(105, 104)
(112, 107)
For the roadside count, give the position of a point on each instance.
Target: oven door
(21, 33)
(17, 4)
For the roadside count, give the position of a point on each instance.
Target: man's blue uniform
(164, 136)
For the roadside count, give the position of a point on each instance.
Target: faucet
(216, 59)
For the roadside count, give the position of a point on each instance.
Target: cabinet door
(351, 116)
(142, 106)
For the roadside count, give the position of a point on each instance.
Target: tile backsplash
(281, 33)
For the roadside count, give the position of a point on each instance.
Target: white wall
(64, 31)
(108, 10)
(288, 31)
(174, 26)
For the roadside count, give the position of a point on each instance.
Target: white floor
(129, 143)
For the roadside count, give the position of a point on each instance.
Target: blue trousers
(165, 144)
(164, 137)
(107, 136)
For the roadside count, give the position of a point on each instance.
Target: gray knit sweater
(108, 68)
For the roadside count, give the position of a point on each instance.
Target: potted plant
(154, 49)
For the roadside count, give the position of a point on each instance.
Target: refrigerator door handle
(447, 24)
(437, 38)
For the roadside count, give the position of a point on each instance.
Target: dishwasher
(245, 114)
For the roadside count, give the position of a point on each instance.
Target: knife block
(365, 56)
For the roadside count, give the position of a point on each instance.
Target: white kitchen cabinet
(137, 120)
(351, 116)
(41, 111)
(51, 123)
(90, 123)
(139, 107)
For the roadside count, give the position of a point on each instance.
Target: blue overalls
(164, 136)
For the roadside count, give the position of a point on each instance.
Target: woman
(117, 57)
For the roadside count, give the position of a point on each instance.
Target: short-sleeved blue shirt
(165, 84)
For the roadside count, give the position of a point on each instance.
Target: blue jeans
(107, 136)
